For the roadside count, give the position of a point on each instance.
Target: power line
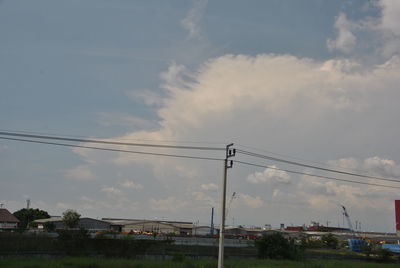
(113, 150)
(14, 134)
(120, 139)
(317, 176)
(312, 166)
(298, 158)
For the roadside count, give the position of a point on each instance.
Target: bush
(384, 255)
(330, 241)
(178, 257)
(275, 246)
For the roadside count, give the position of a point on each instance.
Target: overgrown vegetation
(275, 246)
(126, 263)
(330, 241)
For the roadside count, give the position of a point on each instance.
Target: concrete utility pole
(227, 164)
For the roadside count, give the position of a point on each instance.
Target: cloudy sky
(312, 81)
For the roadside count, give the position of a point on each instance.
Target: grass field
(125, 263)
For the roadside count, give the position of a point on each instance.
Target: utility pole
(227, 164)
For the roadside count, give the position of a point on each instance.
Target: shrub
(178, 257)
(384, 255)
(330, 241)
(275, 246)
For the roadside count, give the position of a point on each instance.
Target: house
(7, 220)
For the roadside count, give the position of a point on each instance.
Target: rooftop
(6, 216)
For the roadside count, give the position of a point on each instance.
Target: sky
(311, 81)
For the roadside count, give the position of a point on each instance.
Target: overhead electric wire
(312, 166)
(48, 137)
(119, 139)
(298, 158)
(317, 176)
(244, 152)
(113, 150)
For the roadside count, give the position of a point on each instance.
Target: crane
(348, 220)
(355, 244)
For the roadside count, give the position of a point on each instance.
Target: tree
(71, 218)
(330, 241)
(275, 246)
(27, 215)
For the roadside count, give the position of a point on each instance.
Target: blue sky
(311, 79)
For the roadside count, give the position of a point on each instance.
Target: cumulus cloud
(204, 198)
(82, 173)
(149, 97)
(169, 204)
(297, 106)
(270, 175)
(250, 201)
(193, 17)
(374, 166)
(390, 25)
(125, 120)
(345, 40)
(384, 29)
(294, 109)
(111, 190)
(209, 187)
(131, 185)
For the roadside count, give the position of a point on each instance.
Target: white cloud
(250, 201)
(373, 166)
(381, 34)
(170, 204)
(383, 167)
(82, 173)
(270, 175)
(131, 185)
(297, 106)
(390, 20)
(345, 40)
(193, 17)
(119, 119)
(149, 97)
(209, 187)
(111, 190)
(204, 198)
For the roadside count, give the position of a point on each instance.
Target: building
(92, 225)
(7, 220)
(153, 226)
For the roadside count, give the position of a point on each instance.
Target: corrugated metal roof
(6, 216)
(51, 219)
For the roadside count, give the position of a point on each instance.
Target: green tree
(71, 218)
(275, 246)
(26, 216)
(330, 241)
